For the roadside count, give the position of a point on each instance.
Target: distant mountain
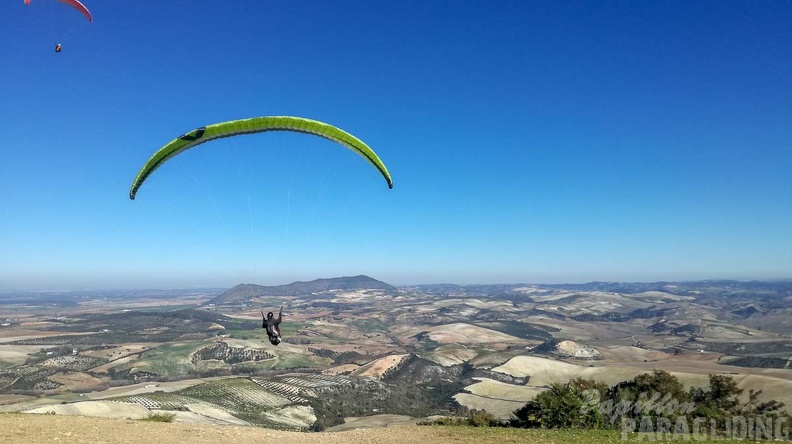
(246, 292)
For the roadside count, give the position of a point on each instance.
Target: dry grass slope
(35, 429)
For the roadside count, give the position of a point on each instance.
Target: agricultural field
(112, 353)
(374, 421)
(500, 390)
(496, 397)
(173, 360)
(462, 333)
(79, 381)
(14, 355)
(500, 408)
(377, 368)
(72, 362)
(277, 402)
(103, 409)
(452, 354)
(13, 399)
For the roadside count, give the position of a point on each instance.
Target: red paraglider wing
(76, 5)
(80, 7)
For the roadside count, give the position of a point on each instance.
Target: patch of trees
(337, 357)
(28, 380)
(416, 387)
(230, 355)
(338, 307)
(425, 342)
(6, 378)
(694, 330)
(518, 329)
(123, 337)
(51, 340)
(130, 377)
(498, 376)
(45, 354)
(738, 348)
(659, 327)
(659, 396)
(298, 340)
(30, 385)
(606, 317)
(745, 311)
(651, 312)
(757, 362)
(72, 362)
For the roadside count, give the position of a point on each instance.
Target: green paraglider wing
(252, 126)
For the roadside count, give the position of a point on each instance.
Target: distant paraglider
(252, 126)
(76, 5)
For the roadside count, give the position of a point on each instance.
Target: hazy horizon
(394, 283)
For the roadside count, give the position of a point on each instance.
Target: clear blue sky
(528, 142)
